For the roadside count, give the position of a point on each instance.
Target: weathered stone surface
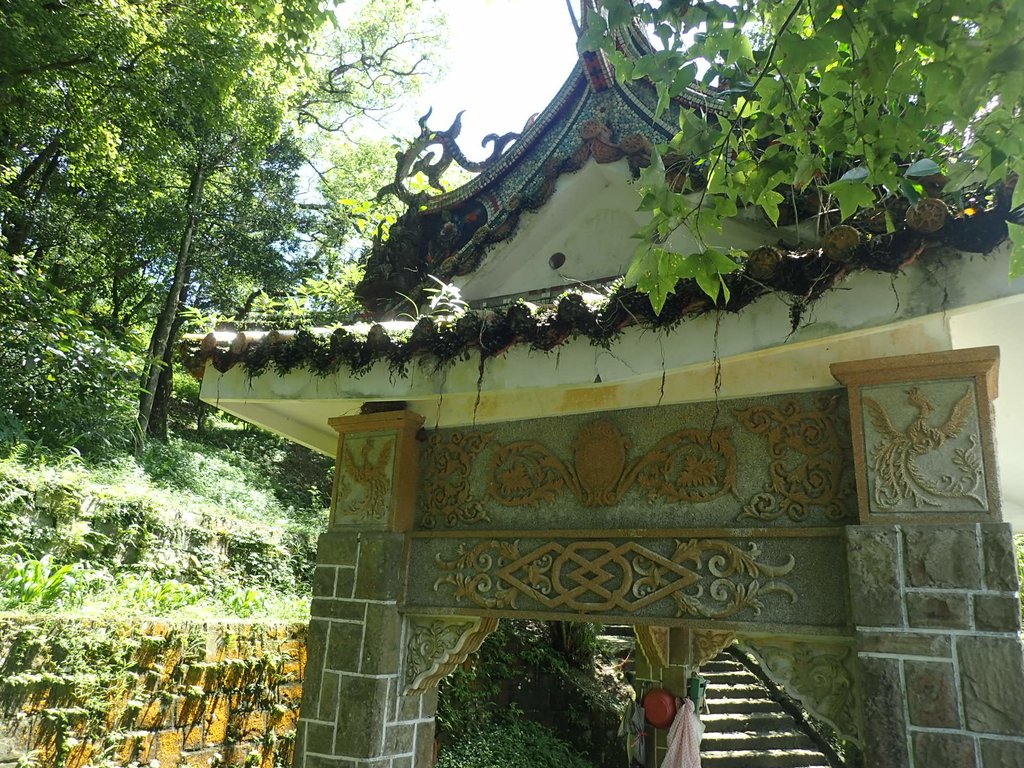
(339, 610)
(382, 649)
(323, 581)
(424, 743)
(997, 753)
(949, 750)
(361, 711)
(345, 582)
(324, 761)
(992, 682)
(997, 613)
(931, 694)
(428, 703)
(944, 610)
(344, 647)
(1000, 559)
(320, 738)
(942, 556)
(872, 555)
(328, 697)
(904, 643)
(378, 573)
(885, 731)
(316, 649)
(400, 739)
(337, 548)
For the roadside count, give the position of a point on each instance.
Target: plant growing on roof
(845, 111)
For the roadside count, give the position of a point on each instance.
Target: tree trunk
(161, 338)
(16, 223)
(165, 384)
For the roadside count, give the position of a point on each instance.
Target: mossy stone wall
(92, 694)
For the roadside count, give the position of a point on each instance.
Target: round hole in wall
(556, 260)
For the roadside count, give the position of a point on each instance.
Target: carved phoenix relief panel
(927, 459)
(808, 469)
(709, 578)
(365, 474)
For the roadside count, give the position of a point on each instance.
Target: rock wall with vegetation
(77, 693)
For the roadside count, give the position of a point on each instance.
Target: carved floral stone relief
(808, 468)
(820, 675)
(708, 578)
(447, 497)
(436, 645)
(364, 479)
(688, 465)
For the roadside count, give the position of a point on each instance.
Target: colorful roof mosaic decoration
(596, 119)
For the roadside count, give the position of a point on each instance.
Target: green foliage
(519, 670)
(28, 583)
(521, 743)
(855, 102)
(189, 528)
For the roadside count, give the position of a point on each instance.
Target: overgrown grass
(220, 521)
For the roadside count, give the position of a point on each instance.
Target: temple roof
(593, 120)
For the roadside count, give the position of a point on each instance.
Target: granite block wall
(354, 712)
(938, 620)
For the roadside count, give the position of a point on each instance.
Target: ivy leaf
(654, 271)
(860, 173)
(807, 166)
(1017, 254)
(923, 167)
(852, 196)
(913, 192)
(707, 269)
(769, 201)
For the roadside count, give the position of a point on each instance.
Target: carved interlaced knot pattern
(703, 577)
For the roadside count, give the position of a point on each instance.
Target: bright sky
(506, 61)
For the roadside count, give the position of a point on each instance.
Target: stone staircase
(746, 728)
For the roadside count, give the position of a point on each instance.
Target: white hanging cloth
(684, 737)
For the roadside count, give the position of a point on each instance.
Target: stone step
(738, 691)
(755, 740)
(769, 758)
(717, 722)
(729, 678)
(761, 704)
(722, 665)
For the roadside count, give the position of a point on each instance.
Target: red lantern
(660, 707)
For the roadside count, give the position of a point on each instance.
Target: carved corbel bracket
(821, 676)
(654, 643)
(682, 646)
(436, 645)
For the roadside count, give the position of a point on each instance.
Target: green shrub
(514, 742)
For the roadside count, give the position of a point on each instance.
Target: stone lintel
(922, 434)
(376, 470)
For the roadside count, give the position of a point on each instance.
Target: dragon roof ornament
(421, 157)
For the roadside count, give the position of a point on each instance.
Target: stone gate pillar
(666, 658)
(933, 583)
(354, 708)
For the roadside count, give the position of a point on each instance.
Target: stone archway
(772, 517)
